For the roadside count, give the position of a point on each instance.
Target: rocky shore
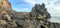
(37, 18)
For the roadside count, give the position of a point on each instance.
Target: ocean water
(54, 19)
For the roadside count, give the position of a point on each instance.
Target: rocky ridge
(37, 18)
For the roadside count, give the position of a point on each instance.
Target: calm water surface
(54, 19)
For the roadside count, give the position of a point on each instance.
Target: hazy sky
(53, 6)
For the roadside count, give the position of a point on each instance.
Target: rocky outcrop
(5, 3)
(5, 19)
(37, 18)
(40, 11)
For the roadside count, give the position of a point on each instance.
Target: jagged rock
(40, 11)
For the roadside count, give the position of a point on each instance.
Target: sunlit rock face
(5, 3)
(5, 18)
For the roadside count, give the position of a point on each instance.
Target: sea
(55, 19)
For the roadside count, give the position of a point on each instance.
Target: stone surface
(5, 3)
(40, 11)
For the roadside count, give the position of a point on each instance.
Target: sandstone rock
(3, 22)
(5, 3)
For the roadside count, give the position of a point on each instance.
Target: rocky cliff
(5, 3)
(37, 18)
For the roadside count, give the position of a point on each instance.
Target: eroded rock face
(5, 3)
(5, 19)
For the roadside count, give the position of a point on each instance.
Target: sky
(53, 6)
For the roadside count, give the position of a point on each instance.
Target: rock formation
(5, 3)
(37, 18)
(40, 10)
